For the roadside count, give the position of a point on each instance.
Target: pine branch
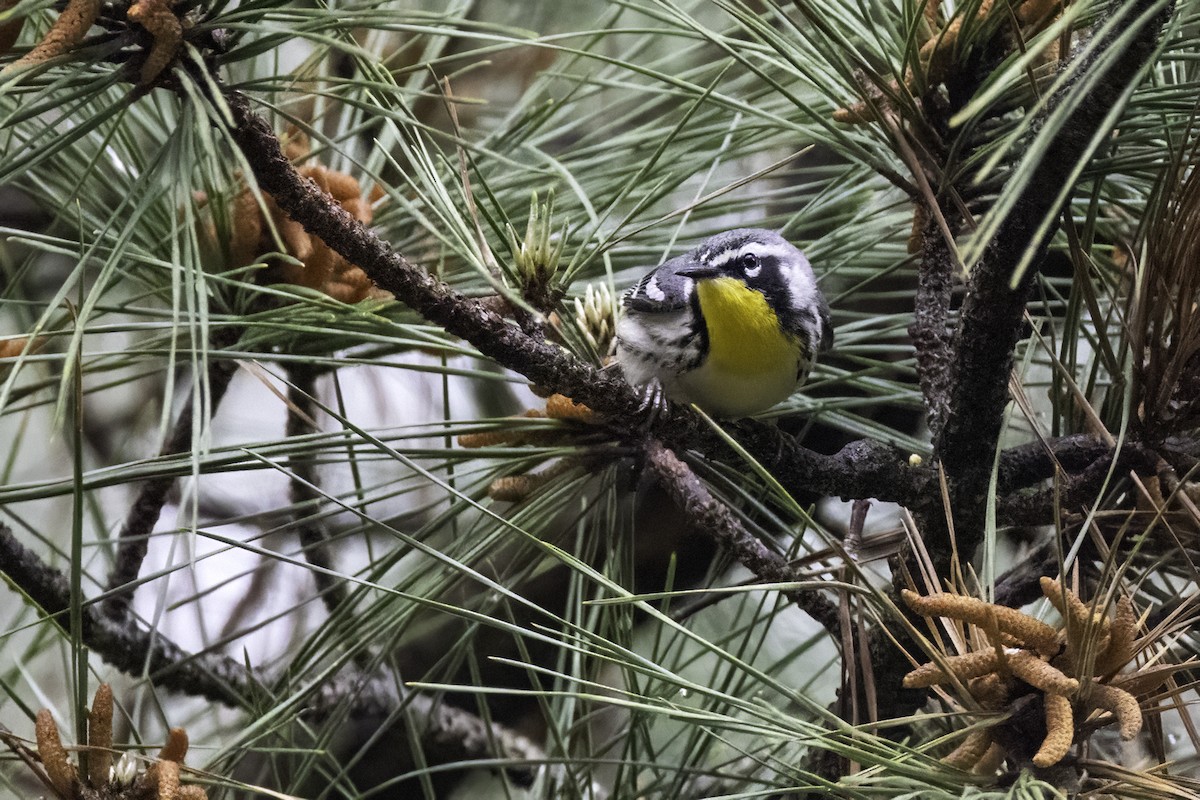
(986, 337)
(133, 541)
(713, 518)
(119, 640)
(994, 310)
(863, 469)
(314, 536)
(930, 330)
(448, 734)
(1075, 490)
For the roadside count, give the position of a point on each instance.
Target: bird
(733, 325)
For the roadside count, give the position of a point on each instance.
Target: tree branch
(119, 640)
(1020, 585)
(993, 311)
(1076, 490)
(134, 539)
(714, 519)
(1034, 462)
(448, 734)
(311, 530)
(931, 309)
(862, 469)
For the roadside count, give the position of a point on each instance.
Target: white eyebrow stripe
(762, 249)
(758, 249)
(718, 260)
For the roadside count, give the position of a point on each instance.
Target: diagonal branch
(862, 469)
(1076, 490)
(119, 640)
(714, 519)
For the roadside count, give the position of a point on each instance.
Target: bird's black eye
(749, 264)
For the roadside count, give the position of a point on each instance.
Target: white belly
(727, 394)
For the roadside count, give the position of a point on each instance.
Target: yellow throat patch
(744, 337)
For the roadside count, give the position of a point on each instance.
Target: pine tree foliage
(295, 471)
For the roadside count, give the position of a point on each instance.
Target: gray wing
(661, 290)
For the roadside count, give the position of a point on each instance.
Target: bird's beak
(698, 272)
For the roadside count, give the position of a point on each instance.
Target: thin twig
(134, 539)
(1028, 464)
(302, 409)
(120, 641)
(714, 519)
(1073, 491)
(1021, 584)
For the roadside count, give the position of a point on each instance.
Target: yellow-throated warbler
(732, 326)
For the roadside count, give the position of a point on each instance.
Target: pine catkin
(1060, 731)
(1120, 650)
(562, 407)
(166, 32)
(970, 750)
(1028, 630)
(59, 768)
(965, 667)
(66, 32)
(1039, 674)
(1121, 703)
(176, 746)
(100, 738)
